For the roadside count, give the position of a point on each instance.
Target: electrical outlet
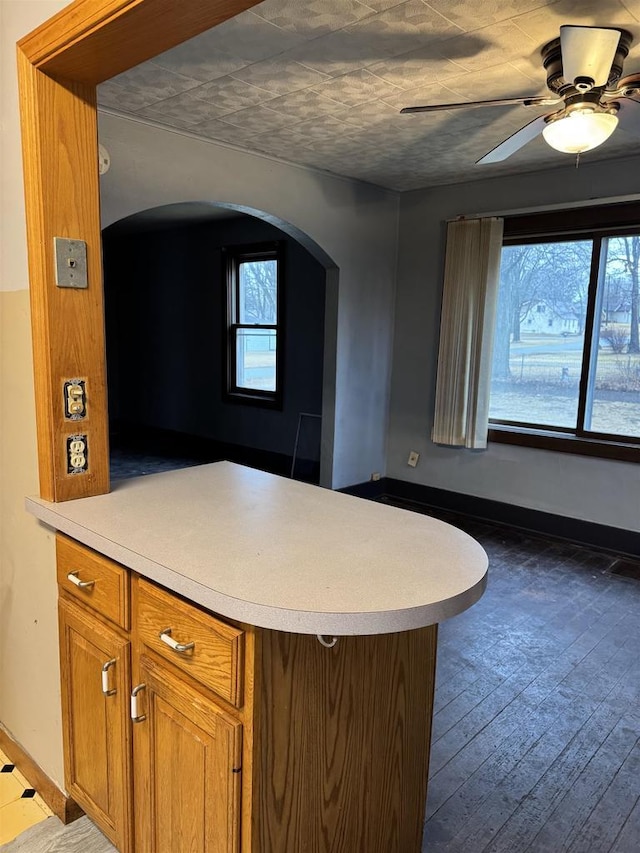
(77, 454)
(75, 399)
(375, 476)
(413, 458)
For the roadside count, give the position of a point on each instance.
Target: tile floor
(20, 806)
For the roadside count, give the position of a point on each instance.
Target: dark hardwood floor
(536, 739)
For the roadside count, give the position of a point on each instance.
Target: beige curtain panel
(471, 274)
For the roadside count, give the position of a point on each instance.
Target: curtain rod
(548, 208)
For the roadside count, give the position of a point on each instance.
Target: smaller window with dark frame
(254, 324)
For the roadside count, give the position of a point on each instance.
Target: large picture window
(566, 357)
(254, 338)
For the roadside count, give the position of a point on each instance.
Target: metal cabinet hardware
(135, 716)
(73, 577)
(108, 691)
(166, 638)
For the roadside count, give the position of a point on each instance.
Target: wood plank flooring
(536, 740)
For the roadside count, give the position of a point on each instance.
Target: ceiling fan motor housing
(552, 60)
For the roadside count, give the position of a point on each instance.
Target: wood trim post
(61, 192)
(59, 65)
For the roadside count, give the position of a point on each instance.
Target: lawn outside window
(254, 324)
(566, 357)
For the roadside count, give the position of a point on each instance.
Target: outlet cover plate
(71, 263)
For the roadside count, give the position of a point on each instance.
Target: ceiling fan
(584, 68)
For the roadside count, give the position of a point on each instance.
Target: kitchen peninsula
(269, 649)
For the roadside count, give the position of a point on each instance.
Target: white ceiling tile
(313, 17)
(304, 104)
(416, 68)
(471, 16)
(217, 129)
(402, 28)
(488, 46)
(258, 119)
(183, 110)
(633, 6)
(119, 98)
(230, 94)
(358, 87)
(322, 127)
(280, 75)
(158, 83)
(369, 115)
(383, 5)
(251, 38)
(432, 93)
(200, 59)
(336, 53)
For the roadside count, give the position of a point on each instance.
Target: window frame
(233, 257)
(593, 223)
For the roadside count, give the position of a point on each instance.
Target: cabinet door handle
(135, 715)
(105, 678)
(166, 637)
(73, 577)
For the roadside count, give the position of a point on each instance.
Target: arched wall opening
(165, 316)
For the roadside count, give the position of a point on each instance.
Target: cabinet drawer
(108, 583)
(208, 650)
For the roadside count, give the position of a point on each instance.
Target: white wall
(29, 674)
(353, 224)
(575, 486)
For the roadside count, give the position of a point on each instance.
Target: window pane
(256, 359)
(613, 398)
(539, 338)
(258, 292)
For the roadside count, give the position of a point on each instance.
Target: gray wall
(165, 311)
(575, 486)
(347, 224)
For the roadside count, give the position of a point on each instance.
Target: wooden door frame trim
(59, 66)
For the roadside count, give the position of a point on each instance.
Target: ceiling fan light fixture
(579, 130)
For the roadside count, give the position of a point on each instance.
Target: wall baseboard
(66, 809)
(576, 530)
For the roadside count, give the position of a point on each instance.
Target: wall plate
(77, 454)
(71, 262)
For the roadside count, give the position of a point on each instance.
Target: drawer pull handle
(166, 637)
(73, 577)
(135, 715)
(108, 691)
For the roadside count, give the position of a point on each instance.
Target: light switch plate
(71, 262)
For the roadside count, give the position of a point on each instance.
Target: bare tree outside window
(253, 298)
(548, 291)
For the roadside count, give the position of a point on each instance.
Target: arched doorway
(166, 299)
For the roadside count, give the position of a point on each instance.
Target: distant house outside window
(254, 324)
(566, 358)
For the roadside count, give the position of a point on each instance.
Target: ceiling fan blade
(514, 142)
(498, 102)
(588, 52)
(628, 87)
(629, 115)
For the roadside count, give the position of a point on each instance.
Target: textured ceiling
(320, 83)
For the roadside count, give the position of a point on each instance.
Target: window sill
(563, 443)
(266, 402)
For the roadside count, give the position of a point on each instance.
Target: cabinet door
(95, 666)
(187, 757)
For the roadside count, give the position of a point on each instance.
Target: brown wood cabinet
(225, 738)
(96, 681)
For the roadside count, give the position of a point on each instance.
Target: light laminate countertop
(279, 554)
